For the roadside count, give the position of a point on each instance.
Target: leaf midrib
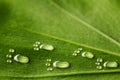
(85, 23)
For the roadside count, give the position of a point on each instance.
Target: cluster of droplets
(76, 52)
(56, 64)
(38, 45)
(9, 56)
(18, 57)
(99, 63)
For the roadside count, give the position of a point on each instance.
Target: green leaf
(65, 24)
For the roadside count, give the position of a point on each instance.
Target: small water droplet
(48, 64)
(9, 61)
(36, 49)
(87, 54)
(49, 60)
(37, 42)
(11, 50)
(77, 51)
(35, 45)
(80, 49)
(47, 47)
(97, 63)
(75, 54)
(21, 58)
(99, 67)
(9, 56)
(99, 59)
(109, 64)
(61, 64)
(49, 69)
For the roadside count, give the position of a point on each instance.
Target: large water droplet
(61, 64)
(87, 54)
(49, 69)
(99, 59)
(11, 50)
(9, 56)
(21, 58)
(109, 64)
(9, 61)
(47, 47)
(99, 67)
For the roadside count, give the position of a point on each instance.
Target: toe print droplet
(76, 52)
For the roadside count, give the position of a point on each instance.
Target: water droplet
(87, 54)
(48, 64)
(99, 67)
(47, 47)
(76, 51)
(9, 61)
(21, 58)
(109, 64)
(36, 49)
(35, 45)
(11, 50)
(37, 42)
(97, 63)
(9, 56)
(49, 60)
(80, 49)
(49, 69)
(99, 59)
(61, 64)
(75, 54)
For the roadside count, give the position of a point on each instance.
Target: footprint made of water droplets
(18, 57)
(85, 54)
(38, 45)
(56, 64)
(100, 64)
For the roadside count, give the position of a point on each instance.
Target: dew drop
(109, 64)
(80, 49)
(11, 50)
(9, 61)
(36, 49)
(49, 69)
(21, 58)
(48, 64)
(88, 55)
(75, 54)
(99, 67)
(9, 56)
(37, 42)
(99, 59)
(97, 63)
(76, 51)
(47, 47)
(35, 45)
(49, 60)
(61, 64)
